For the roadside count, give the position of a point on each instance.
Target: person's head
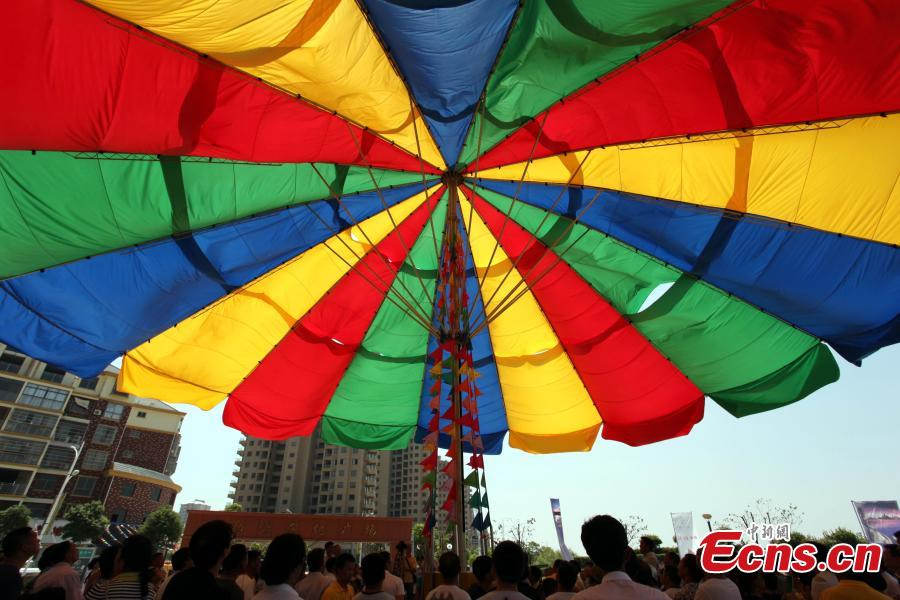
(534, 576)
(448, 565)
(669, 577)
(181, 559)
(509, 562)
(254, 560)
(373, 571)
(107, 561)
(316, 560)
(235, 562)
(671, 558)
(638, 570)
(566, 576)
(137, 552)
(21, 544)
(549, 586)
(481, 569)
(157, 560)
(56, 554)
(332, 550)
(94, 563)
(689, 569)
(803, 584)
(344, 568)
(329, 564)
(209, 544)
(386, 557)
(284, 561)
(402, 548)
(605, 541)
(647, 544)
(897, 536)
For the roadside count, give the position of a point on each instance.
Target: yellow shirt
(852, 590)
(337, 592)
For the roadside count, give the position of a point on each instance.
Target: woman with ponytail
(133, 580)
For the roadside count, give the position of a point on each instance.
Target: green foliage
(14, 517)
(86, 521)
(841, 536)
(545, 556)
(234, 507)
(162, 527)
(655, 539)
(798, 538)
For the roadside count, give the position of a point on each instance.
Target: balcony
(14, 489)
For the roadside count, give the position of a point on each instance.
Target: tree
(654, 539)
(162, 527)
(634, 526)
(841, 536)
(519, 532)
(86, 521)
(763, 511)
(234, 507)
(14, 517)
(546, 556)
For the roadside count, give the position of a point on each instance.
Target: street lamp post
(47, 529)
(707, 517)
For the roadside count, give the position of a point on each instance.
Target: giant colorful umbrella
(391, 219)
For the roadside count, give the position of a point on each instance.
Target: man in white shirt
(317, 581)
(448, 565)
(605, 541)
(715, 586)
(249, 581)
(372, 568)
(392, 584)
(509, 565)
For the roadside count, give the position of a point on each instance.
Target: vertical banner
(683, 523)
(557, 520)
(879, 519)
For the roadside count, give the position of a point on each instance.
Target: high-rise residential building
(306, 475)
(188, 506)
(128, 445)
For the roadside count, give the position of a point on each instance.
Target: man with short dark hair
(18, 546)
(208, 547)
(482, 569)
(605, 541)
(449, 566)
(249, 581)
(392, 584)
(344, 569)
(510, 562)
(181, 560)
(233, 566)
(372, 568)
(566, 577)
(317, 581)
(282, 567)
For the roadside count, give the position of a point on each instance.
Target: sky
(842, 443)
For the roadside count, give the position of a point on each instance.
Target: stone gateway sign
(250, 526)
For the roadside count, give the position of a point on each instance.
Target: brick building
(130, 444)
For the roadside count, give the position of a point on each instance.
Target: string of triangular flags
(452, 306)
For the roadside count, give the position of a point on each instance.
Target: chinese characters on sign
(768, 532)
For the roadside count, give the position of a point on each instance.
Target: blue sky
(840, 444)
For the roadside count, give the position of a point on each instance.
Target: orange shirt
(848, 589)
(336, 591)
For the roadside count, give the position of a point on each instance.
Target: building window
(71, 432)
(127, 454)
(53, 374)
(142, 414)
(118, 516)
(9, 389)
(134, 434)
(127, 489)
(11, 363)
(95, 460)
(42, 396)
(44, 482)
(156, 493)
(113, 411)
(58, 457)
(351, 497)
(21, 452)
(33, 423)
(104, 435)
(90, 383)
(84, 486)
(79, 407)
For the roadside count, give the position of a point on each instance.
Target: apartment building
(127, 446)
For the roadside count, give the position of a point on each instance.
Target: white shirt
(717, 588)
(560, 596)
(61, 575)
(448, 592)
(504, 595)
(617, 585)
(282, 591)
(312, 586)
(249, 585)
(821, 582)
(393, 585)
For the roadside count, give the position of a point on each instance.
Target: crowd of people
(214, 568)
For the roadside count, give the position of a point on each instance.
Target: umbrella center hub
(451, 178)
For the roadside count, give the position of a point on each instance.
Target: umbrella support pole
(456, 291)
